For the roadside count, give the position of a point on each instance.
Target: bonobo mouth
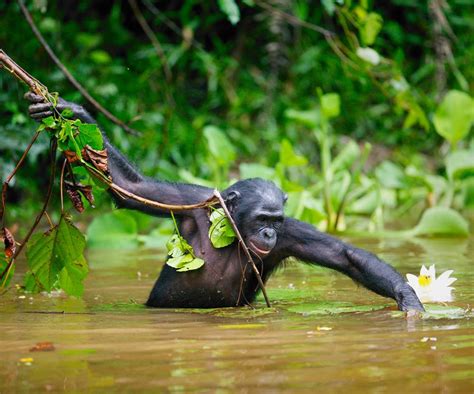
(260, 252)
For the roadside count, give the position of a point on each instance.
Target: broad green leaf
(460, 164)
(442, 221)
(370, 28)
(89, 134)
(56, 259)
(331, 105)
(366, 204)
(49, 122)
(254, 170)
(230, 8)
(219, 145)
(288, 157)
(346, 157)
(181, 255)
(454, 116)
(221, 232)
(71, 277)
(179, 261)
(390, 175)
(114, 230)
(195, 264)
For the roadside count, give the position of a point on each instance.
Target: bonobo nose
(268, 233)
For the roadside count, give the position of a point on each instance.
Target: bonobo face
(257, 207)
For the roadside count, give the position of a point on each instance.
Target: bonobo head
(257, 208)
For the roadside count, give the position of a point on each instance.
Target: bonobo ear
(232, 198)
(285, 198)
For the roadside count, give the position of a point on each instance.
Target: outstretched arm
(122, 172)
(303, 241)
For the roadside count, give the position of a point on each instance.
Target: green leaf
(442, 221)
(310, 118)
(71, 277)
(330, 105)
(454, 116)
(221, 232)
(370, 28)
(89, 134)
(114, 230)
(288, 157)
(230, 8)
(181, 254)
(460, 164)
(195, 264)
(49, 122)
(390, 175)
(219, 145)
(56, 259)
(254, 170)
(179, 261)
(346, 157)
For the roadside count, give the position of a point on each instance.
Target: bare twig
(69, 76)
(244, 246)
(10, 177)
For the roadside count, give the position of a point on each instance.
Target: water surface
(323, 334)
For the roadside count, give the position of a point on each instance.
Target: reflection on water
(109, 342)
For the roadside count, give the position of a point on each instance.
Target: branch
(69, 76)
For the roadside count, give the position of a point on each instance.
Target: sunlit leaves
(442, 221)
(221, 232)
(181, 255)
(454, 116)
(370, 25)
(288, 157)
(330, 105)
(56, 261)
(219, 145)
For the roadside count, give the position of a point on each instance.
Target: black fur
(257, 207)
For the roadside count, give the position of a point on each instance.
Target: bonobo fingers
(41, 115)
(40, 107)
(33, 97)
(407, 299)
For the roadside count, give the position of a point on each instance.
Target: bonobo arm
(122, 172)
(303, 241)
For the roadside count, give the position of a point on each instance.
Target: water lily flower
(428, 288)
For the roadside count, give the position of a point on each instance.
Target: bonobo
(257, 208)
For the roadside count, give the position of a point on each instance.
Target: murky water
(108, 342)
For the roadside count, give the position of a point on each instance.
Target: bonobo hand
(40, 109)
(407, 299)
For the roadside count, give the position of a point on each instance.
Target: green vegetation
(360, 111)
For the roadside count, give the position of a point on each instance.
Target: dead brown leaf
(97, 157)
(43, 347)
(8, 241)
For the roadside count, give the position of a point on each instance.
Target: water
(109, 342)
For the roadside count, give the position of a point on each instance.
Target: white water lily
(428, 288)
